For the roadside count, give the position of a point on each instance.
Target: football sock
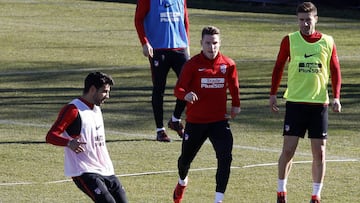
(282, 185)
(317, 189)
(160, 129)
(173, 119)
(183, 182)
(219, 197)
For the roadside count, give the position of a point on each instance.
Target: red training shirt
(209, 80)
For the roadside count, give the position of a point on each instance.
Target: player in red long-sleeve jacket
(203, 83)
(312, 60)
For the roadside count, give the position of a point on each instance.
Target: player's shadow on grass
(22, 142)
(138, 140)
(107, 141)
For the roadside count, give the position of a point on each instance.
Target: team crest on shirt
(223, 68)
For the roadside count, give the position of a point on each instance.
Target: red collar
(90, 105)
(313, 37)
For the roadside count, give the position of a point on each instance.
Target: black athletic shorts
(101, 189)
(300, 117)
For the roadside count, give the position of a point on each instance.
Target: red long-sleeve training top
(209, 80)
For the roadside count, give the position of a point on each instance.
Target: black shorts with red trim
(101, 189)
(302, 117)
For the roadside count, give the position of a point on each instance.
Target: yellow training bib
(309, 69)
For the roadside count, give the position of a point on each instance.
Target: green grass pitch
(49, 46)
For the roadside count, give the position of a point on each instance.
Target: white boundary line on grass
(10, 122)
(175, 171)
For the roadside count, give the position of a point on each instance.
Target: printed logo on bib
(310, 67)
(100, 140)
(170, 16)
(308, 55)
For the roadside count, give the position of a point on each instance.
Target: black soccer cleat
(161, 136)
(176, 126)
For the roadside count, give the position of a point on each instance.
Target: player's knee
(288, 152)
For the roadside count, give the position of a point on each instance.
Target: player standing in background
(312, 59)
(203, 83)
(79, 128)
(163, 30)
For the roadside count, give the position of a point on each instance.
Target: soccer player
(203, 84)
(163, 30)
(79, 128)
(312, 59)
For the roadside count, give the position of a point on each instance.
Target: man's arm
(187, 27)
(234, 86)
(282, 58)
(187, 22)
(234, 91)
(335, 73)
(335, 80)
(142, 8)
(66, 116)
(181, 88)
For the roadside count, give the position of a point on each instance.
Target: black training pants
(221, 138)
(162, 61)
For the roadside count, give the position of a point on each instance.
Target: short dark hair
(306, 7)
(210, 30)
(98, 79)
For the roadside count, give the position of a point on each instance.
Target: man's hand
(235, 111)
(75, 145)
(336, 106)
(148, 50)
(191, 97)
(273, 104)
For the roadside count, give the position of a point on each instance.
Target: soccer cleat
(178, 193)
(176, 126)
(161, 136)
(281, 197)
(315, 199)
